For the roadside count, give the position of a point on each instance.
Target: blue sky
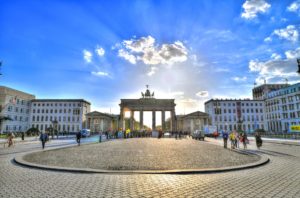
(192, 51)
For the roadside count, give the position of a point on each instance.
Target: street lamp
(298, 61)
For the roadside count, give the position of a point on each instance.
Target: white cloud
(152, 71)
(100, 51)
(293, 54)
(100, 74)
(145, 50)
(268, 39)
(239, 79)
(127, 56)
(253, 7)
(87, 55)
(289, 33)
(275, 56)
(276, 69)
(202, 94)
(294, 7)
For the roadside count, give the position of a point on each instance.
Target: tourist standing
(78, 137)
(258, 140)
(43, 139)
(237, 139)
(100, 136)
(244, 140)
(232, 139)
(10, 139)
(22, 136)
(225, 138)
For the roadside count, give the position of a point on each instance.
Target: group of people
(236, 137)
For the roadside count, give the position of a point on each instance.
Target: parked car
(198, 135)
(85, 132)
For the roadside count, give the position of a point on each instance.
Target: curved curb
(263, 160)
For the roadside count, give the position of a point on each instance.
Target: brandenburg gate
(148, 103)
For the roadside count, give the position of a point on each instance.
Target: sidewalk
(36, 138)
(219, 141)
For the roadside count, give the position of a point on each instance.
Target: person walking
(10, 139)
(237, 139)
(232, 139)
(78, 137)
(43, 139)
(100, 136)
(258, 140)
(225, 138)
(22, 136)
(244, 140)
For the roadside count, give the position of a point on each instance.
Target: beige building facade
(15, 105)
(193, 121)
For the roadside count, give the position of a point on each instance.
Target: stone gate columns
(141, 119)
(173, 121)
(153, 120)
(121, 123)
(131, 120)
(163, 120)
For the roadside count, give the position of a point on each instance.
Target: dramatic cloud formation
(293, 54)
(294, 7)
(127, 56)
(276, 69)
(145, 50)
(87, 55)
(289, 33)
(100, 51)
(100, 74)
(253, 7)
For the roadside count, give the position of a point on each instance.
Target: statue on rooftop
(147, 94)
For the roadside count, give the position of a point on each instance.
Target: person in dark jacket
(258, 140)
(44, 139)
(78, 137)
(225, 138)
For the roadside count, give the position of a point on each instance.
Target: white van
(198, 135)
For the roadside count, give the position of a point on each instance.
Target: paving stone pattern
(143, 154)
(279, 178)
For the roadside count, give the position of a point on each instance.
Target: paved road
(279, 178)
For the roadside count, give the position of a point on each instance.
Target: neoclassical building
(193, 121)
(97, 121)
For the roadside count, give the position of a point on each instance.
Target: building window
(33, 118)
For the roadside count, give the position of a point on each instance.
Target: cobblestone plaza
(279, 178)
